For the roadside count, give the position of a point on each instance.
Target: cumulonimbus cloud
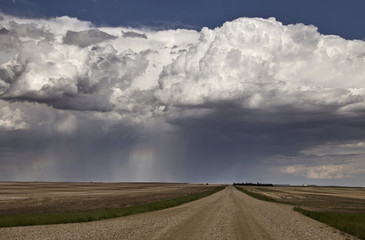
(252, 84)
(250, 62)
(262, 64)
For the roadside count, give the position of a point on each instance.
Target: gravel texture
(228, 214)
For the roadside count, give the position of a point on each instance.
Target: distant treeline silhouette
(254, 184)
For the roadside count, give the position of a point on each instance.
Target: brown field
(349, 199)
(43, 197)
(228, 214)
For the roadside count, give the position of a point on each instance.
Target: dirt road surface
(228, 214)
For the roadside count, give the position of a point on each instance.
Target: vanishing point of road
(228, 214)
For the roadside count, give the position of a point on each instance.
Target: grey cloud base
(86, 38)
(253, 100)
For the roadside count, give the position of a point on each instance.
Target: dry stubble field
(337, 199)
(45, 197)
(228, 214)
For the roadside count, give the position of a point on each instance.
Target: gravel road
(228, 214)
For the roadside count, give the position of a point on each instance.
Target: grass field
(350, 222)
(342, 208)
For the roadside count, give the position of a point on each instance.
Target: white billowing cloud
(334, 149)
(69, 64)
(328, 161)
(317, 172)
(11, 119)
(141, 74)
(260, 64)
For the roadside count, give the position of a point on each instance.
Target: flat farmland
(338, 199)
(47, 197)
(340, 207)
(228, 214)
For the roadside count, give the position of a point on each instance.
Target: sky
(183, 91)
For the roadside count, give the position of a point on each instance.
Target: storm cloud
(86, 38)
(253, 99)
(132, 34)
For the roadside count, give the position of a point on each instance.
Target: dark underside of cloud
(253, 99)
(132, 34)
(86, 38)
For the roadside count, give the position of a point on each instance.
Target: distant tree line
(253, 184)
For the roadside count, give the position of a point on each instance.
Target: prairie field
(219, 213)
(340, 207)
(338, 199)
(226, 214)
(48, 197)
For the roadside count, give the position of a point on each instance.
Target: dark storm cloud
(4, 31)
(64, 101)
(244, 144)
(262, 134)
(30, 30)
(47, 152)
(132, 34)
(86, 38)
(77, 146)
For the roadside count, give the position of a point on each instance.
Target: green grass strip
(99, 214)
(349, 222)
